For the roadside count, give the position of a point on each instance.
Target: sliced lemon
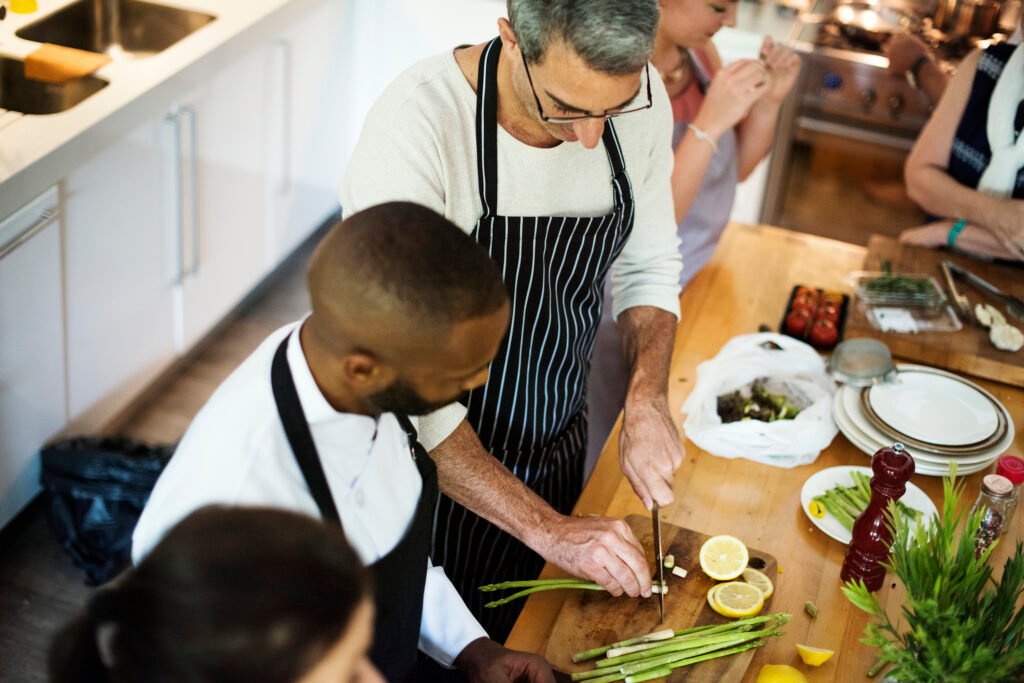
(723, 558)
(780, 673)
(816, 509)
(759, 579)
(738, 599)
(815, 656)
(711, 596)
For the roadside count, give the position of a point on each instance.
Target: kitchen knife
(959, 299)
(1014, 306)
(659, 560)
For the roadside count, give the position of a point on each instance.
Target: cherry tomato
(824, 334)
(797, 323)
(827, 311)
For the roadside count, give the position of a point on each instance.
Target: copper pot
(968, 17)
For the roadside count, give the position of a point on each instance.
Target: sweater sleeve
(647, 271)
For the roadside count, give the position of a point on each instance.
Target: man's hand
(650, 451)
(485, 661)
(600, 549)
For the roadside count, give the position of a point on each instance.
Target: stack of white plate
(941, 419)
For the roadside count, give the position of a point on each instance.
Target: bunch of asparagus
(656, 654)
(845, 503)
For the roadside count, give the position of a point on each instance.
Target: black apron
(530, 414)
(399, 577)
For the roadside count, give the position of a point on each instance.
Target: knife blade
(959, 299)
(659, 560)
(1014, 306)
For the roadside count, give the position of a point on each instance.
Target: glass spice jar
(995, 501)
(1011, 467)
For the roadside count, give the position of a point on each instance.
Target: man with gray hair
(551, 145)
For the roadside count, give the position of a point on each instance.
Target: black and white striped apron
(530, 414)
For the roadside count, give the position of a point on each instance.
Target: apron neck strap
(487, 126)
(296, 428)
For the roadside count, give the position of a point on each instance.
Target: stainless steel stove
(837, 163)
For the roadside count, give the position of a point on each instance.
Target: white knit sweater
(418, 144)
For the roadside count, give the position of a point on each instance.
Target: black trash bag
(97, 487)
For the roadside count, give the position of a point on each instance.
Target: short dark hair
(412, 262)
(230, 594)
(610, 36)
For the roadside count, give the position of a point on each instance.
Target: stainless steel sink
(20, 94)
(120, 28)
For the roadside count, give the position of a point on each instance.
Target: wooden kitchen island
(745, 285)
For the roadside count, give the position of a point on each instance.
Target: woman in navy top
(968, 164)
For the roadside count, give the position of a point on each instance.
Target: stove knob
(832, 81)
(868, 97)
(896, 105)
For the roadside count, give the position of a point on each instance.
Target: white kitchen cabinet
(308, 126)
(221, 207)
(121, 271)
(32, 401)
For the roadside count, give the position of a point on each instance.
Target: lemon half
(737, 599)
(723, 558)
(780, 673)
(815, 656)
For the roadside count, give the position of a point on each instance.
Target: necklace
(682, 70)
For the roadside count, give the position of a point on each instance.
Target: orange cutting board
(966, 351)
(590, 619)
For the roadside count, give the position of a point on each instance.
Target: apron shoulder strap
(611, 145)
(296, 428)
(487, 127)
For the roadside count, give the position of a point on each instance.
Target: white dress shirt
(419, 144)
(235, 452)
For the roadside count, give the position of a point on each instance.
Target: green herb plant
(962, 626)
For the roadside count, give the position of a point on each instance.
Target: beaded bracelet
(954, 232)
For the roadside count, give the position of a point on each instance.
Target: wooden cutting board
(967, 351)
(590, 619)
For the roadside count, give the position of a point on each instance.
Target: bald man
(408, 312)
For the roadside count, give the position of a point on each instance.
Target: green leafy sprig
(962, 626)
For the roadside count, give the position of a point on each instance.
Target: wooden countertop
(746, 284)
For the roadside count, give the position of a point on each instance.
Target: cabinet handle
(46, 217)
(285, 49)
(191, 114)
(179, 199)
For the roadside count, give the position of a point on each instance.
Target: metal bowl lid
(861, 362)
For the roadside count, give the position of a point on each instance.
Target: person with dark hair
(407, 314)
(551, 145)
(230, 594)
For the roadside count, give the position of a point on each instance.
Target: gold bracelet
(703, 135)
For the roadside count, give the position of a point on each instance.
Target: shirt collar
(314, 404)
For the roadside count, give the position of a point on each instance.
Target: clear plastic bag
(785, 365)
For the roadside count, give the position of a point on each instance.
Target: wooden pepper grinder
(872, 537)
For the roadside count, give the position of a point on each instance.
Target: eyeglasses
(583, 117)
